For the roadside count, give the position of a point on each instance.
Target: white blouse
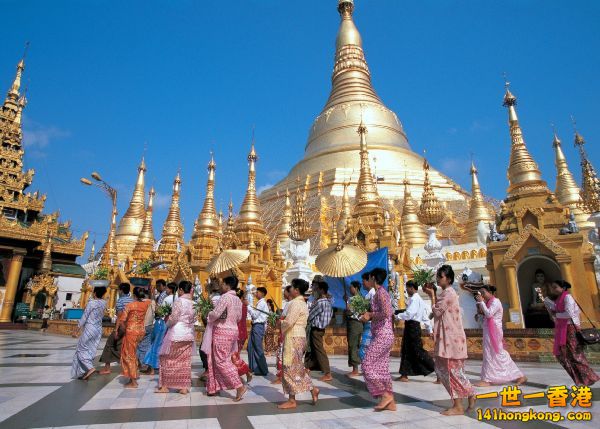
(571, 310)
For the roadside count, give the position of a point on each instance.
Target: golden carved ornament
(44, 282)
(543, 239)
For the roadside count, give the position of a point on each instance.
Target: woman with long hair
(564, 311)
(450, 343)
(242, 367)
(497, 367)
(175, 370)
(90, 329)
(375, 365)
(133, 319)
(279, 357)
(222, 373)
(295, 379)
(270, 332)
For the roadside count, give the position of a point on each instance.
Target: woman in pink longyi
(497, 367)
(376, 364)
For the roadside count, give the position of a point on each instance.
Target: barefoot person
(354, 331)
(259, 315)
(414, 359)
(319, 317)
(287, 298)
(497, 367)
(112, 349)
(222, 373)
(295, 380)
(90, 329)
(133, 321)
(242, 367)
(376, 364)
(450, 343)
(565, 312)
(175, 371)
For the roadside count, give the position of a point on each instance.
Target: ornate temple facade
(36, 249)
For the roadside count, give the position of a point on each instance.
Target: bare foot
(240, 394)
(403, 379)
(391, 406)
(248, 377)
(326, 377)
(276, 381)
(104, 372)
(472, 400)
(287, 405)
(354, 373)
(437, 381)
(184, 391)
(521, 380)
(88, 374)
(384, 402)
(454, 411)
(131, 385)
(161, 390)
(315, 395)
(482, 384)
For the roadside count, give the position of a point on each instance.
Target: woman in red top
(242, 367)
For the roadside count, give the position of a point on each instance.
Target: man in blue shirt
(319, 318)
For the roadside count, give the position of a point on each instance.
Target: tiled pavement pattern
(36, 391)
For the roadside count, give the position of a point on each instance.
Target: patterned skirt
(129, 360)
(376, 364)
(573, 360)
(295, 380)
(222, 373)
(270, 339)
(451, 373)
(176, 366)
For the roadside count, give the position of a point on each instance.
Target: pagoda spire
(412, 229)
(299, 227)
(345, 212)
(567, 190)
(92, 254)
(367, 199)
(522, 169)
(208, 222)
(249, 216)
(284, 226)
(229, 233)
(430, 210)
(12, 97)
(478, 212)
(145, 244)
(172, 234)
(590, 187)
(351, 78)
(132, 222)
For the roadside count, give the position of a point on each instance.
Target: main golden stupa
(331, 158)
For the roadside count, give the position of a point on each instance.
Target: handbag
(223, 315)
(587, 336)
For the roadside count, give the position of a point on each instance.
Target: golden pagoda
(299, 228)
(590, 188)
(411, 227)
(230, 240)
(132, 222)
(144, 248)
(333, 152)
(30, 241)
(531, 235)
(478, 210)
(283, 233)
(172, 241)
(206, 234)
(345, 217)
(430, 210)
(567, 191)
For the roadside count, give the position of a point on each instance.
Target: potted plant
(99, 278)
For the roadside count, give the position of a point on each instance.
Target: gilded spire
(46, 264)
(92, 254)
(522, 169)
(12, 98)
(132, 222)
(172, 235)
(412, 229)
(430, 210)
(249, 216)
(345, 212)
(145, 244)
(478, 212)
(220, 223)
(567, 190)
(367, 199)
(334, 233)
(590, 187)
(299, 227)
(351, 78)
(229, 233)
(283, 232)
(208, 222)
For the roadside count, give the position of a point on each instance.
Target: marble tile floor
(36, 391)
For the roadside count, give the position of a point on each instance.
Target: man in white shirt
(414, 359)
(259, 315)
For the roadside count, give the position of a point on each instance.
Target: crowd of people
(147, 340)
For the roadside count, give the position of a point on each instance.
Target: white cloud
(162, 200)
(39, 136)
(264, 188)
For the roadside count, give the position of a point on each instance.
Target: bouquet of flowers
(272, 319)
(203, 306)
(359, 304)
(423, 276)
(163, 310)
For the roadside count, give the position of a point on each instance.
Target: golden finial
(478, 212)
(430, 210)
(284, 226)
(249, 216)
(145, 242)
(299, 227)
(566, 191)
(366, 200)
(207, 222)
(172, 239)
(590, 184)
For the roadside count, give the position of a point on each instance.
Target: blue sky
(107, 78)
